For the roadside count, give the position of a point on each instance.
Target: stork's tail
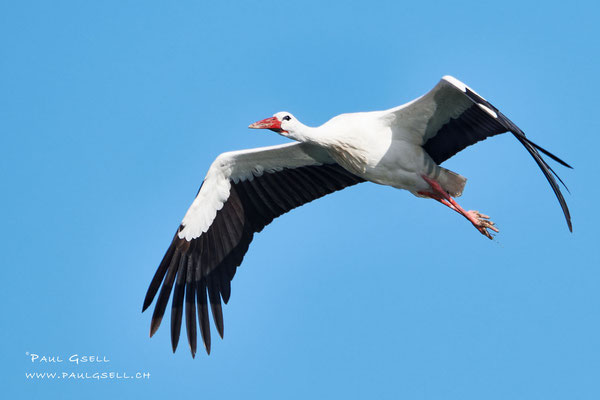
(452, 182)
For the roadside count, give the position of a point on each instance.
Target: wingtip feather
(154, 325)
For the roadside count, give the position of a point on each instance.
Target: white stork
(245, 190)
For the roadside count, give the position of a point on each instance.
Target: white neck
(308, 134)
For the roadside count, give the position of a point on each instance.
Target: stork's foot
(482, 223)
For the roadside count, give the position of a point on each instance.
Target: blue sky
(111, 112)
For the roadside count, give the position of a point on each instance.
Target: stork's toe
(482, 223)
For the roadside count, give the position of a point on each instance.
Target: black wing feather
(165, 292)
(177, 305)
(190, 306)
(203, 311)
(206, 265)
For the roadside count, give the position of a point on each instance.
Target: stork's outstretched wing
(243, 192)
(453, 116)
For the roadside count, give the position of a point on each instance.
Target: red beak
(269, 123)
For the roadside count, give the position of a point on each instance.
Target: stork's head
(283, 123)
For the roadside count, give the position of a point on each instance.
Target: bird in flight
(245, 190)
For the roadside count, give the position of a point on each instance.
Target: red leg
(480, 221)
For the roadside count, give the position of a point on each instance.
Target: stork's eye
(287, 118)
